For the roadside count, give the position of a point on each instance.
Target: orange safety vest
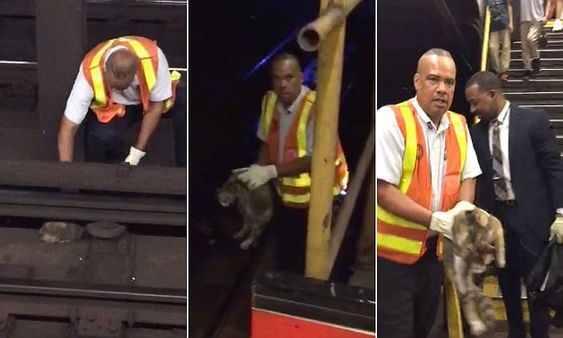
(295, 190)
(398, 239)
(93, 67)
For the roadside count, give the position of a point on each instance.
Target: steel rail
(105, 292)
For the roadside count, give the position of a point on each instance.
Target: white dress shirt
(504, 118)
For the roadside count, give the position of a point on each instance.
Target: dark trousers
(522, 252)
(105, 143)
(408, 296)
(290, 239)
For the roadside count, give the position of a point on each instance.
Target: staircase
(545, 90)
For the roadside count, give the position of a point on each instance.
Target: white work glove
(556, 229)
(442, 221)
(135, 155)
(258, 175)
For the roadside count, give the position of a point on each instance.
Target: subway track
(132, 285)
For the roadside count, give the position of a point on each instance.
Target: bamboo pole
(333, 14)
(329, 66)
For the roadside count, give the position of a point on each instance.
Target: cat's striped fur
(477, 239)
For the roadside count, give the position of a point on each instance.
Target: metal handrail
(485, 45)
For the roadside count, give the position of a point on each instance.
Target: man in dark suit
(521, 184)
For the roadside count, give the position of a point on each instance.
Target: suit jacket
(536, 169)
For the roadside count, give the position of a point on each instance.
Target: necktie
(499, 180)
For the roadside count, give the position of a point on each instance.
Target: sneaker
(557, 25)
(527, 74)
(503, 77)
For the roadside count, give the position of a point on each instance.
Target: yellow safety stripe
(411, 147)
(304, 198)
(97, 77)
(302, 125)
(99, 87)
(304, 180)
(390, 218)
(96, 59)
(397, 243)
(174, 76)
(461, 137)
(268, 107)
(150, 74)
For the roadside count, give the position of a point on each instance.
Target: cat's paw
(246, 244)
(240, 234)
(477, 327)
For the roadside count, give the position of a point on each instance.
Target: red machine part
(267, 324)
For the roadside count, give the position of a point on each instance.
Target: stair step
(545, 72)
(555, 111)
(536, 83)
(544, 53)
(534, 95)
(552, 43)
(546, 62)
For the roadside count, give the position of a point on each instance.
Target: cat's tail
(486, 310)
(499, 242)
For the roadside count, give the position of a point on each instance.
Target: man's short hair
(125, 67)
(283, 57)
(485, 80)
(434, 51)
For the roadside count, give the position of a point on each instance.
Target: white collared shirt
(390, 147)
(504, 118)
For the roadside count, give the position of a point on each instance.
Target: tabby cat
(255, 207)
(477, 239)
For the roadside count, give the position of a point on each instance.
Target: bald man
(122, 81)
(426, 168)
(286, 132)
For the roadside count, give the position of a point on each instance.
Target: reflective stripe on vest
(295, 190)
(401, 240)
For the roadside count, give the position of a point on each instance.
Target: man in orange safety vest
(286, 132)
(426, 168)
(122, 81)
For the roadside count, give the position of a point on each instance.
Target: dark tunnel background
(228, 74)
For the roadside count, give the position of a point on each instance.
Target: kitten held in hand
(255, 207)
(477, 240)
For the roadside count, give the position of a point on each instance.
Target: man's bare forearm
(295, 167)
(150, 121)
(263, 154)
(393, 200)
(65, 141)
(467, 190)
